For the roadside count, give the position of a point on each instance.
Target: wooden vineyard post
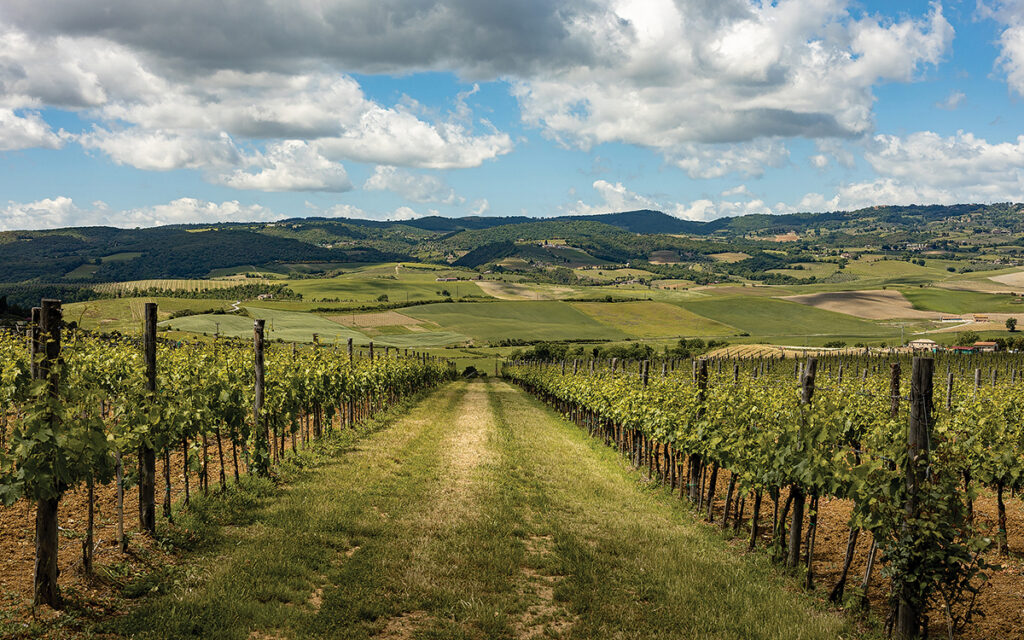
(45, 589)
(262, 442)
(797, 492)
(908, 613)
(147, 456)
(701, 375)
(350, 419)
(34, 343)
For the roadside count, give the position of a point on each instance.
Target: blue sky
(118, 112)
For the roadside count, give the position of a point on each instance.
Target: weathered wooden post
(797, 492)
(45, 589)
(147, 456)
(908, 613)
(694, 484)
(259, 424)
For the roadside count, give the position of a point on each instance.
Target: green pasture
(609, 275)
(288, 326)
(646, 319)
(761, 316)
(126, 314)
(400, 284)
(524, 320)
(817, 269)
(955, 301)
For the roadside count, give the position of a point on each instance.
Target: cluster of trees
(239, 292)
(685, 348)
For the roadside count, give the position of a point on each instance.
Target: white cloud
(675, 73)
(406, 213)
(480, 207)
(715, 161)
(1010, 14)
(411, 186)
(928, 168)
(952, 101)
(290, 165)
(42, 214)
(161, 150)
(61, 211)
(615, 198)
(391, 136)
(25, 132)
(153, 115)
(831, 149)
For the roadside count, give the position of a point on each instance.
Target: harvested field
(994, 322)
(729, 256)
(872, 305)
(1015, 280)
(515, 291)
(377, 319)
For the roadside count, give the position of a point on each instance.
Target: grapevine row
(74, 407)
(797, 442)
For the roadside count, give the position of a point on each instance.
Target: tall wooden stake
(262, 453)
(45, 589)
(147, 456)
(908, 613)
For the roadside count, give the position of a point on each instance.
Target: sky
(127, 113)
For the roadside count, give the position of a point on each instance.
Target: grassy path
(479, 514)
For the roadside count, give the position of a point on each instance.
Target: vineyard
(898, 453)
(83, 412)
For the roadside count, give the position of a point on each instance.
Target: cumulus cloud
(953, 101)
(483, 38)
(290, 165)
(391, 136)
(48, 213)
(162, 150)
(411, 186)
(689, 71)
(715, 161)
(406, 213)
(480, 207)
(151, 115)
(928, 168)
(1010, 15)
(615, 198)
(25, 132)
(61, 211)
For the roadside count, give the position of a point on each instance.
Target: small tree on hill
(1011, 324)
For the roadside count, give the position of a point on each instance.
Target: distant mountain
(102, 254)
(644, 221)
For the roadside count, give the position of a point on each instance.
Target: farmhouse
(980, 318)
(923, 344)
(986, 347)
(961, 349)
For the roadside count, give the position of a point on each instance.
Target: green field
(817, 269)
(288, 326)
(898, 271)
(292, 326)
(653, 319)
(173, 285)
(770, 317)
(126, 314)
(400, 284)
(524, 320)
(953, 301)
